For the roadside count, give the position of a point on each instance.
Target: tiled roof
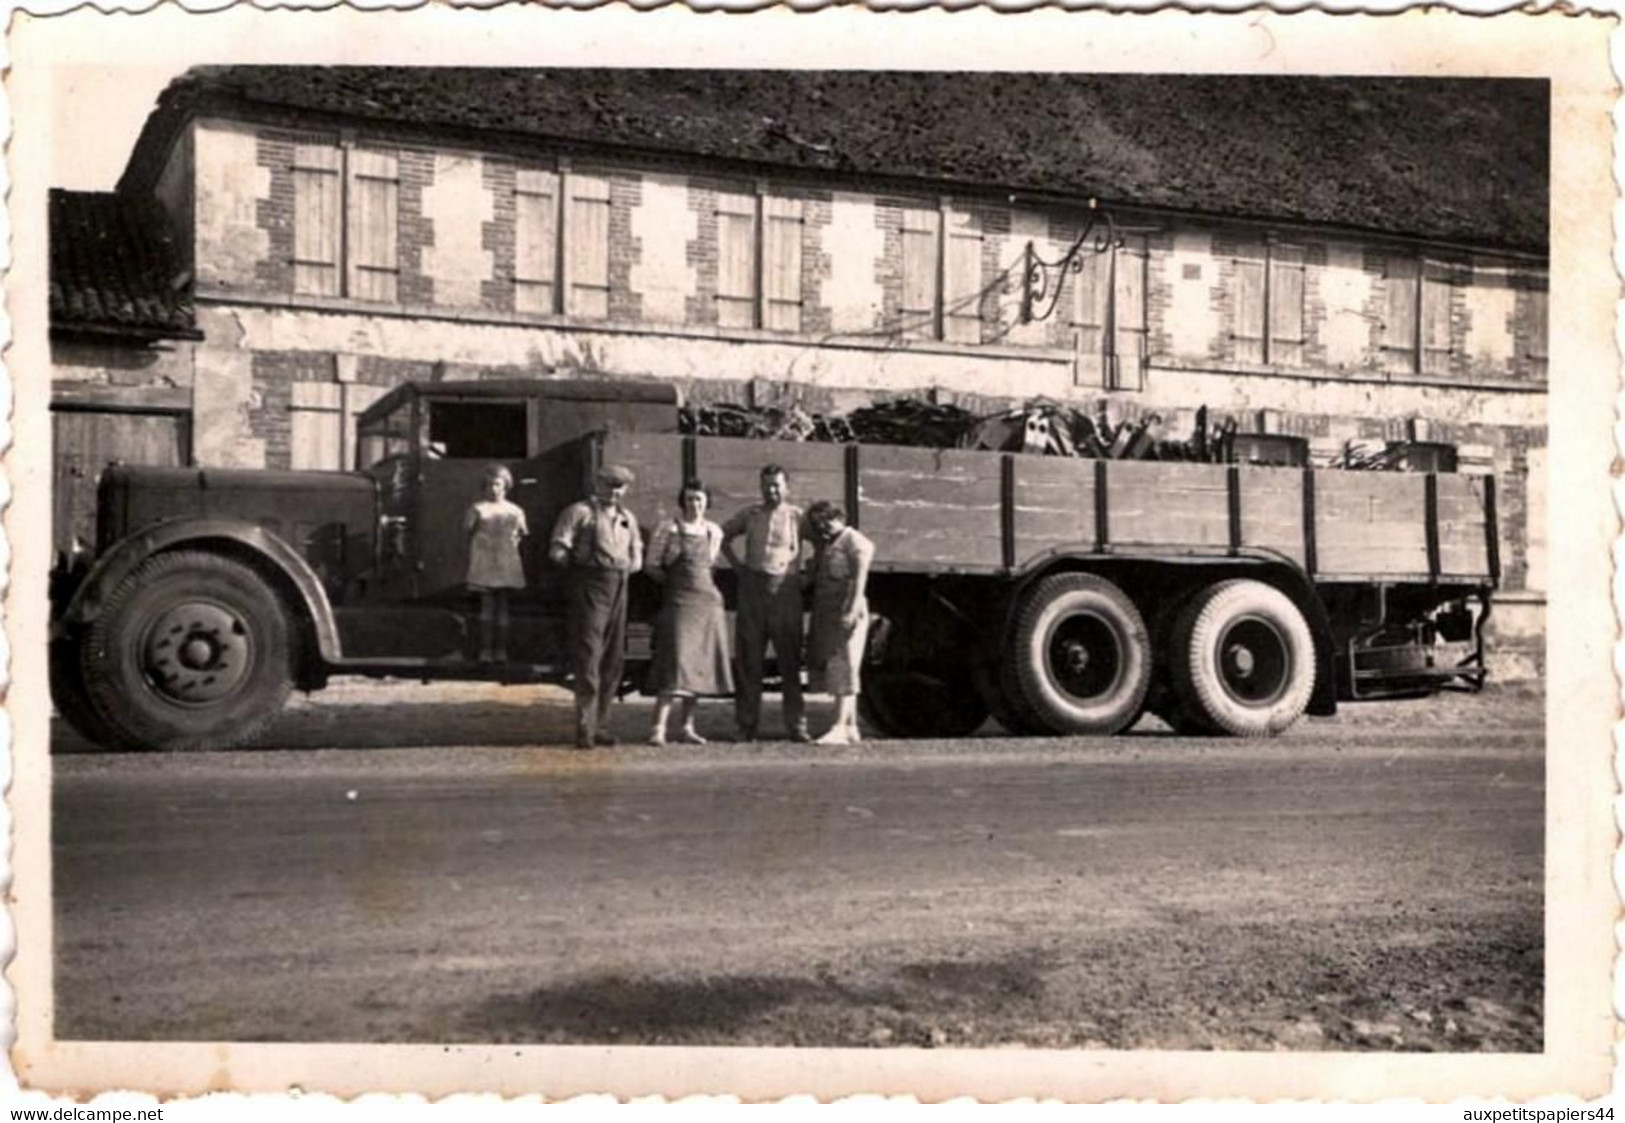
(1462, 160)
(116, 267)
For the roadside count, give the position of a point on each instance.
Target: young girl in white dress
(494, 526)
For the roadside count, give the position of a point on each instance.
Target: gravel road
(407, 864)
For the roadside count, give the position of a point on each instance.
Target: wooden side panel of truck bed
(945, 510)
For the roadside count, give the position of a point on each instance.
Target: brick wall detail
(499, 178)
(701, 307)
(625, 249)
(817, 214)
(414, 230)
(274, 214)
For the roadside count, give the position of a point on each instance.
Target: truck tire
(192, 651)
(1081, 655)
(1002, 694)
(1244, 661)
(68, 692)
(918, 704)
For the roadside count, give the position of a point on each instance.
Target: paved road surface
(1363, 883)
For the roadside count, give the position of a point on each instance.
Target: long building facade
(337, 235)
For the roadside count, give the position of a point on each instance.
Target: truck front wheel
(73, 703)
(1081, 655)
(1243, 660)
(191, 651)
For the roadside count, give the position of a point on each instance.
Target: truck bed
(952, 511)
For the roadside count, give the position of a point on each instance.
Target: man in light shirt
(597, 541)
(769, 604)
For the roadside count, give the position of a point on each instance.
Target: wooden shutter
(316, 417)
(586, 241)
(1436, 287)
(781, 272)
(736, 260)
(1399, 339)
(316, 171)
(1286, 305)
(536, 241)
(1535, 345)
(1089, 316)
(1130, 313)
(1249, 293)
(1535, 331)
(374, 225)
(962, 300)
(918, 310)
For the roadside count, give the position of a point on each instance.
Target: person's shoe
(604, 739)
(658, 738)
(801, 734)
(583, 741)
(691, 737)
(746, 733)
(836, 736)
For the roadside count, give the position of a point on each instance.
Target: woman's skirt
(835, 655)
(691, 645)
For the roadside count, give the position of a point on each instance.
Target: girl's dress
(691, 634)
(495, 527)
(835, 655)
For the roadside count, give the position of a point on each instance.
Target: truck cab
(213, 592)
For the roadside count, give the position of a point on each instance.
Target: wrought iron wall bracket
(1043, 281)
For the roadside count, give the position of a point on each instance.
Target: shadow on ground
(926, 1004)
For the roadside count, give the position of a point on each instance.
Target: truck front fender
(239, 538)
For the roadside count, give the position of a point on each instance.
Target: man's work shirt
(599, 536)
(772, 537)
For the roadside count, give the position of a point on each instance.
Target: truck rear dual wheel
(192, 651)
(1080, 657)
(1243, 662)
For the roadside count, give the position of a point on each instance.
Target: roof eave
(87, 329)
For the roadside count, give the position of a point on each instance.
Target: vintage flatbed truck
(1061, 595)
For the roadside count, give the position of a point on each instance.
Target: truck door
(459, 439)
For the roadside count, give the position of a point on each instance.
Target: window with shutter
(781, 273)
(918, 309)
(736, 260)
(1400, 322)
(586, 246)
(536, 241)
(1128, 372)
(316, 422)
(1286, 306)
(962, 319)
(1109, 316)
(1089, 303)
(1436, 287)
(374, 225)
(1249, 329)
(1535, 342)
(316, 219)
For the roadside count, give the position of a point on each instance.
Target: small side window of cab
(480, 429)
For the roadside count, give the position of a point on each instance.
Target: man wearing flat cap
(597, 541)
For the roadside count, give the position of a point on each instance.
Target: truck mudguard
(124, 558)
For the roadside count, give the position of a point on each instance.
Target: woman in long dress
(840, 616)
(691, 657)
